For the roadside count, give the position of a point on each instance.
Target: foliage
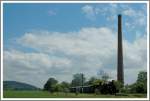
(65, 86)
(101, 85)
(78, 79)
(142, 77)
(97, 82)
(103, 75)
(118, 85)
(125, 89)
(142, 82)
(140, 86)
(50, 85)
(58, 88)
(91, 81)
(62, 87)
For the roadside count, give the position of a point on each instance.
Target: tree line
(79, 79)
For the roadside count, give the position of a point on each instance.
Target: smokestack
(120, 72)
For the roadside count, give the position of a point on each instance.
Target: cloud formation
(89, 11)
(60, 55)
(136, 17)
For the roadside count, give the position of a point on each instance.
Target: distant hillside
(14, 85)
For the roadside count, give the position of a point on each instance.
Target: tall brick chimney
(120, 72)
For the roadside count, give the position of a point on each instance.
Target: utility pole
(82, 82)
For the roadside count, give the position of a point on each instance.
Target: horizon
(59, 40)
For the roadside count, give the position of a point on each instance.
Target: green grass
(44, 94)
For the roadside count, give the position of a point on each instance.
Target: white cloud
(20, 66)
(129, 12)
(73, 42)
(135, 53)
(51, 12)
(89, 11)
(61, 55)
(135, 16)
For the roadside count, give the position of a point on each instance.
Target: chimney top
(119, 14)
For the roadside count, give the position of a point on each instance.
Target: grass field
(43, 94)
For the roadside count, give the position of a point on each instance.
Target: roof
(81, 86)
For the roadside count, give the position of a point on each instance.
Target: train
(102, 88)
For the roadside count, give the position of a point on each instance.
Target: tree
(58, 88)
(118, 85)
(125, 89)
(103, 75)
(141, 83)
(91, 80)
(142, 77)
(50, 84)
(97, 82)
(78, 79)
(140, 86)
(65, 84)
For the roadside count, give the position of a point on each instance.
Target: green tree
(118, 85)
(125, 89)
(50, 84)
(58, 88)
(78, 79)
(97, 82)
(141, 83)
(91, 80)
(133, 88)
(140, 86)
(142, 77)
(103, 75)
(65, 84)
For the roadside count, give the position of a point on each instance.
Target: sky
(59, 40)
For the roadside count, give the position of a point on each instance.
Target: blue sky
(20, 18)
(32, 29)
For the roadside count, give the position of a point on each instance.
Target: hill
(14, 85)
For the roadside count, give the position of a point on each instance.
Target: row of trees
(140, 86)
(79, 79)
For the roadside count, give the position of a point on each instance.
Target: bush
(118, 86)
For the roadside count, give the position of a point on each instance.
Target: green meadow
(44, 94)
